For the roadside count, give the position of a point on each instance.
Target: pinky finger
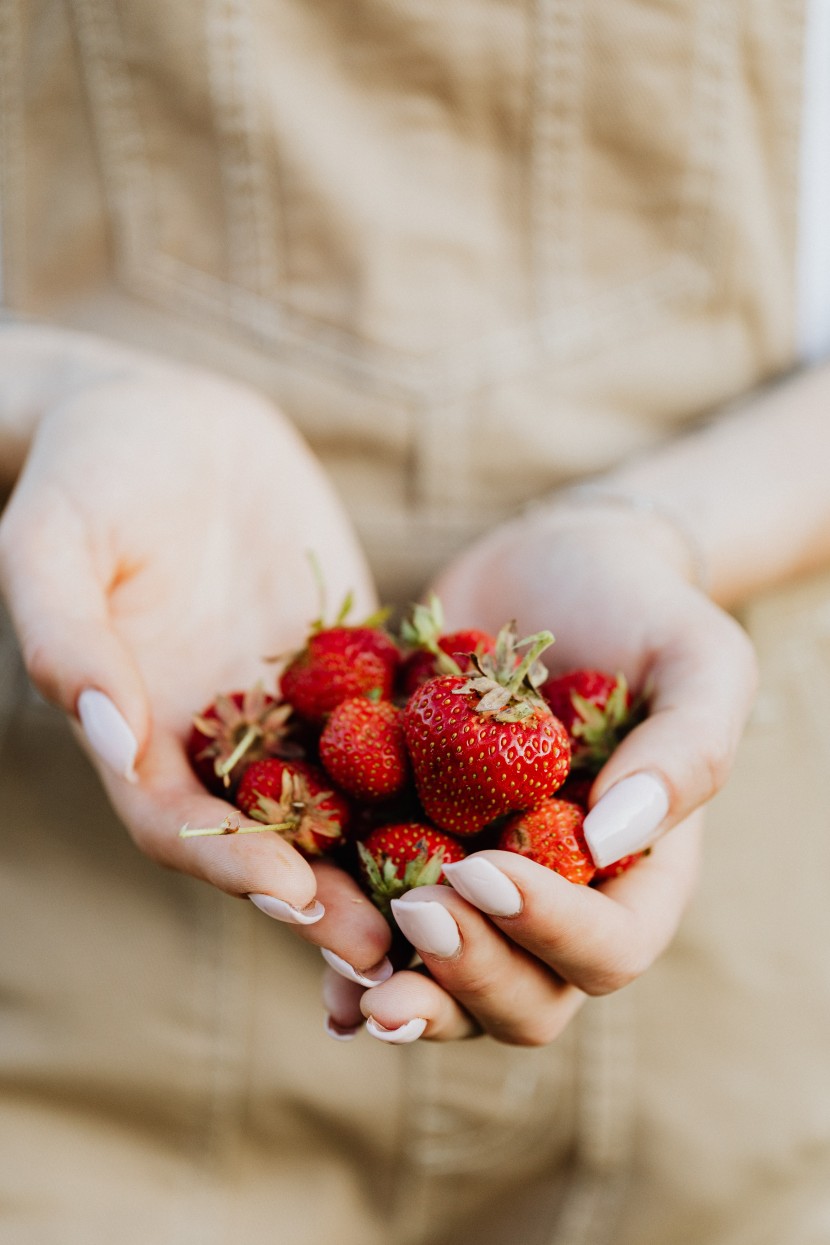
(341, 1000)
(411, 1005)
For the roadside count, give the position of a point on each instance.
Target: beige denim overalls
(475, 249)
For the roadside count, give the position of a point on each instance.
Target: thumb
(58, 601)
(681, 755)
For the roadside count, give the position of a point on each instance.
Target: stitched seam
(251, 227)
(628, 303)
(442, 376)
(476, 1145)
(224, 977)
(122, 148)
(197, 292)
(715, 47)
(605, 1124)
(556, 174)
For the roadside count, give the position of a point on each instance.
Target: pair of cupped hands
(155, 549)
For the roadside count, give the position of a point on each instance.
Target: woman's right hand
(156, 549)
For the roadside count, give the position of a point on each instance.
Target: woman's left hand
(512, 948)
(517, 957)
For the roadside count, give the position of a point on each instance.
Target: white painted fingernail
(428, 926)
(282, 911)
(485, 886)
(410, 1032)
(107, 732)
(340, 1033)
(373, 976)
(626, 819)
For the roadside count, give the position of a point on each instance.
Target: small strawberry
(551, 834)
(596, 709)
(576, 788)
(362, 747)
(236, 729)
(486, 745)
(396, 858)
(619, 866)
(295, 799)
(338, 662)
(437, 653)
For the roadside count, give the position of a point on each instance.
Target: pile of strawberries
(397, 754)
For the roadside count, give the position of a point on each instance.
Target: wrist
(621, 512)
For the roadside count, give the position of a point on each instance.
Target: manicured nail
(373, 976)
(340, 1033)
(485, 886)
(428, 926)
(626, 819)
(341, 1004)
(107, 732)
(282, 911)
(410, 1032)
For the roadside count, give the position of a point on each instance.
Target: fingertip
(107, 732)
(627, 817)
(279, 910)
(401, 1035)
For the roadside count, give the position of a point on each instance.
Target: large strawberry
(396, 858)
(362, 747)
(597, 710)
(234, 730)
(551, 834)
(436, 652)
(297, 801)
(486, 745)
(338, 662)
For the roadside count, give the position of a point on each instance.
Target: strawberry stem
(188, 832)
(539, 643)
(224, 768)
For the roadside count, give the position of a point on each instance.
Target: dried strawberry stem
(191, 832)
(225, 767)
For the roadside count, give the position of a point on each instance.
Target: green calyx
(376, 619)
(507, 684)
(383, 881)
(598, 731)
(423, 629)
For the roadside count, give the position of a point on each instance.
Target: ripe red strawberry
(596, 709)
(487, 745)
(337, 663)
(437, 653)
(395, 858)
(296, 799)
(235, 730)
(362, 747)
(551, 834)
(619, 866)
(457, 645)
(576, 788)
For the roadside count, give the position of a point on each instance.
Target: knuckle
(617, 974)
(715, 762)
(541, 1029)
(609, 981)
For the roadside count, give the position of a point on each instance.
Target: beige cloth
(475, 249)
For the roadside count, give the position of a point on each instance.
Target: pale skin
(134, 478)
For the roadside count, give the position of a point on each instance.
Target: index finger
(596, 939)
(168, 796)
